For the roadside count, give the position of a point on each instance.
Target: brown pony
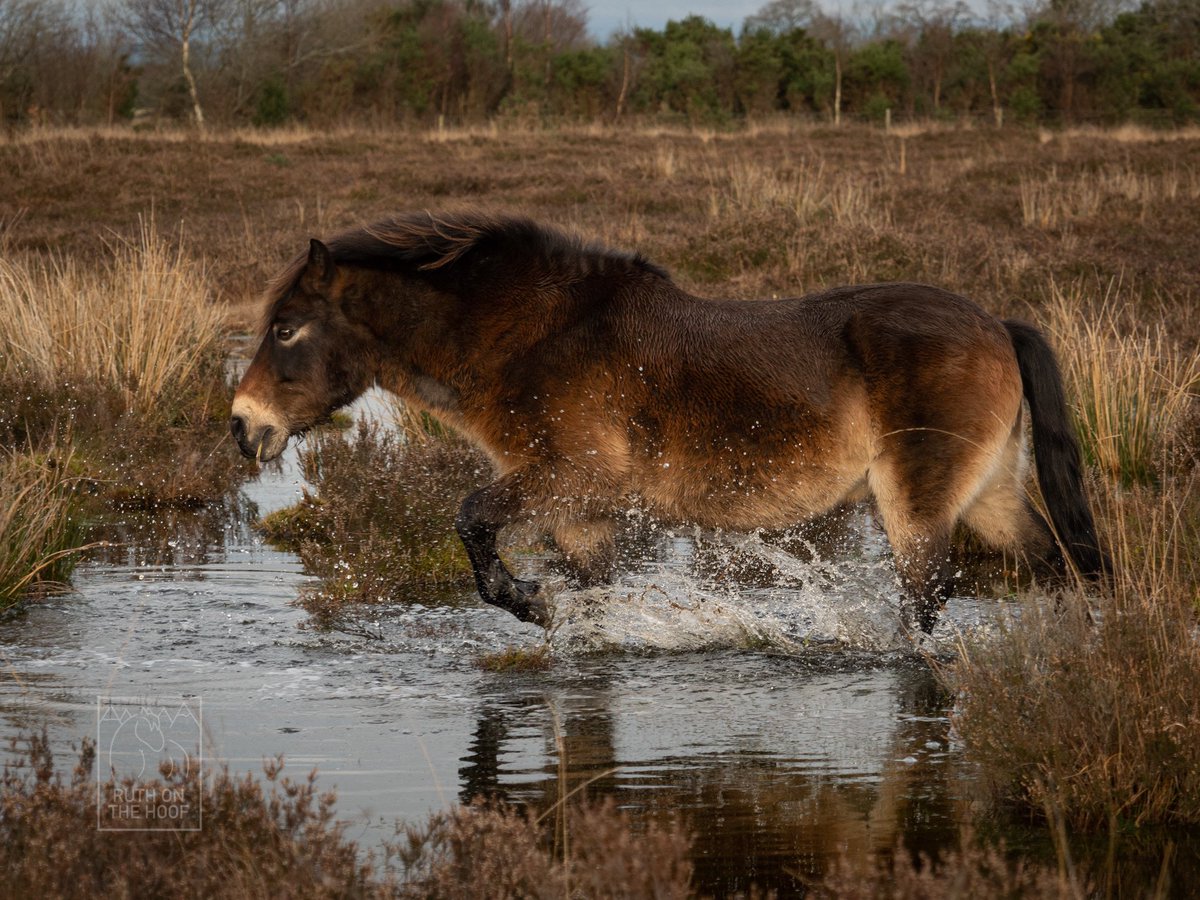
(593, 381)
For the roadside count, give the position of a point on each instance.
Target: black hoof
(928, 619)
(520, 598)
(924, 615)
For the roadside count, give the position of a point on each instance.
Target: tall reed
(1131, 386)
(141, 323)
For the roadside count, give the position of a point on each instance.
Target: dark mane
(433, 242)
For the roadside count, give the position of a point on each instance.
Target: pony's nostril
(237, 426)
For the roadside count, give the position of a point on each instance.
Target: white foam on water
(668, 605)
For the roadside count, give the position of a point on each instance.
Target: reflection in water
(775, 764)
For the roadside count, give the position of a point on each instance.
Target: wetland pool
(783, 723)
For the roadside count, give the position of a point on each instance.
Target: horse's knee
(480, 516)
(489, 509)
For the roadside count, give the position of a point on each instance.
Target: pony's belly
(741, 499)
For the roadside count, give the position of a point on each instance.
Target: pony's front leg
(479, 519)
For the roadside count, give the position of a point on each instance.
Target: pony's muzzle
(263, 443)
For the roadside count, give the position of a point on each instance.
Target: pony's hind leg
(1002, 515)
(918, 523)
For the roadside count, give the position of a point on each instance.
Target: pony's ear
(320, 268)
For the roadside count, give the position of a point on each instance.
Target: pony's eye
(285, 333)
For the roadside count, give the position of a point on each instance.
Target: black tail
(1056, 451)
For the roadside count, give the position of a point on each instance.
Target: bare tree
(171, 27)
(935, 22)
(25, 26)
(782, 16)
(546, 28)
(835, 29)
(992, 45)
(838, 31)
(1072, 24)
(555, 24)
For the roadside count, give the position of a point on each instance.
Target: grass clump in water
(124, 363)
(516, 659)
(380, 527)
(40, 531)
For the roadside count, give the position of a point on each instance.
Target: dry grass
(120, 359)
(1085, 708)
(1133, 388)
(495, 852)
(1052, 201)
(800, 205)
(1048, 202)
(806, 191)
(1128, 133)
(39, 532)
(142, 324)
(970, 872)
(281, 839)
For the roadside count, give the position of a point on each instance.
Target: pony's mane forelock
(429, 242)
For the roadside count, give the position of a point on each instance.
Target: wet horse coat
(592, 380)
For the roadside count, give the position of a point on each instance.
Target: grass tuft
(256, 842)
(1131, 386)
(1090, 714)
(141, 324)
(491, 850)
(808, 192)
(974, 870)
(517, 659)
(39, 529)
(123, 361)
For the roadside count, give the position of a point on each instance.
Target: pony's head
(310, 361)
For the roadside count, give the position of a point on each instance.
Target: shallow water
(776, 705)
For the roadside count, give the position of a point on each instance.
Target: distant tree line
(323, 62)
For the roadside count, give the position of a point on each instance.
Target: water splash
(710, 591)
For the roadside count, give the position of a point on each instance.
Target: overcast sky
(605, 16)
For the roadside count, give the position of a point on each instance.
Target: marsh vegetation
(1078, 713)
